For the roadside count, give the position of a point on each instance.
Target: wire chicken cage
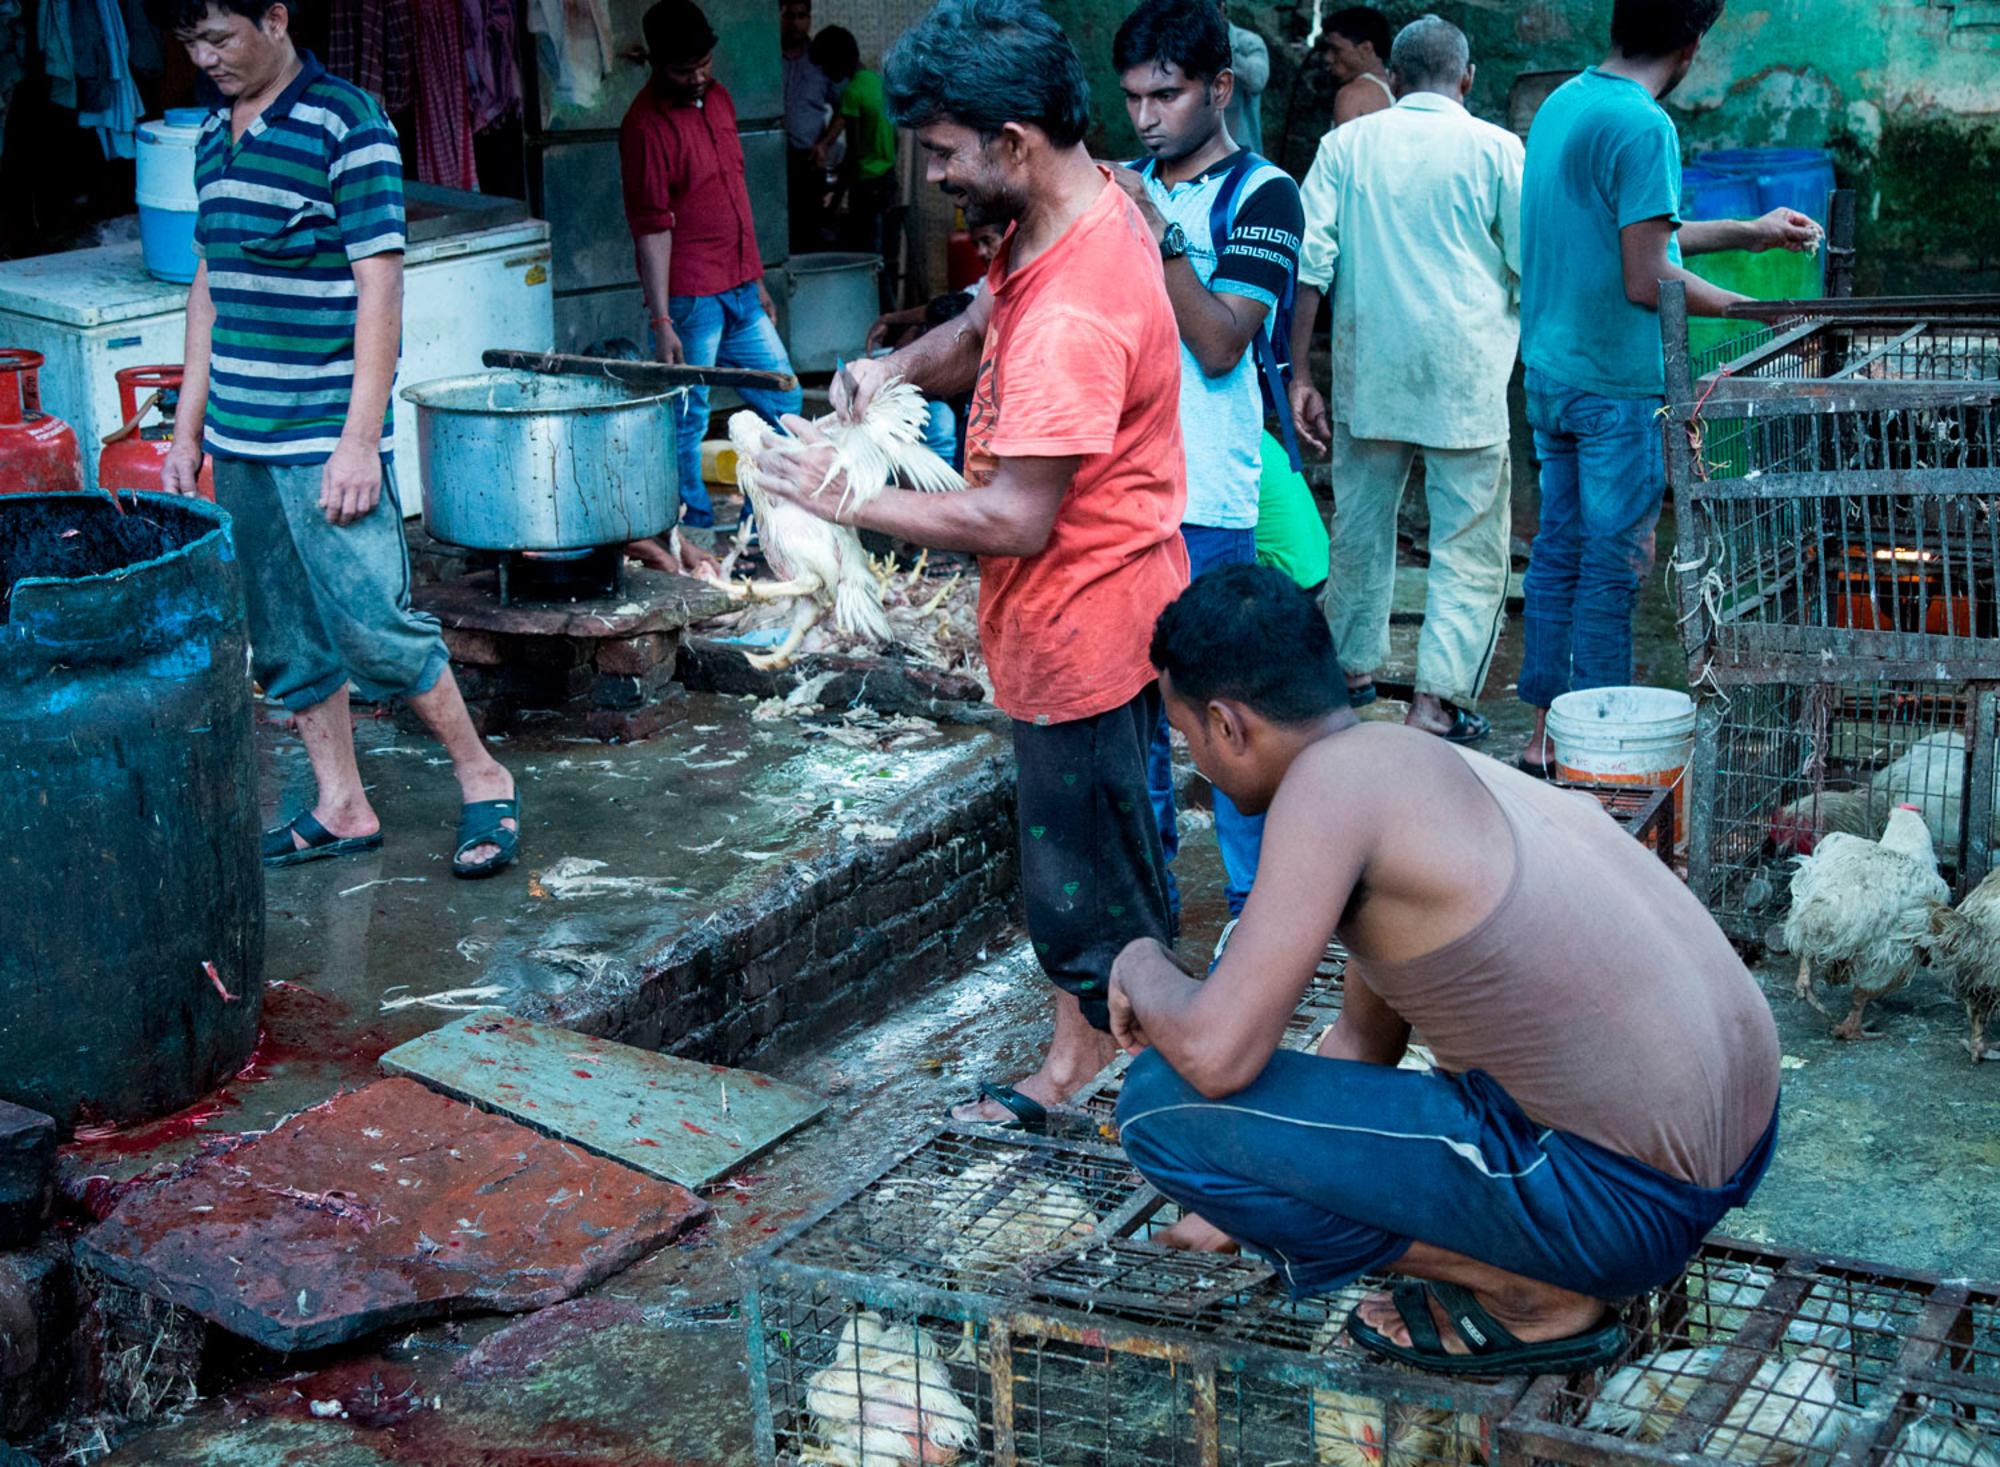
(1758, 1356)
(1778, 765)
(1837, 486)
(1025, 1316)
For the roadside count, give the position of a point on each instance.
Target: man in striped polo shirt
(294, 327)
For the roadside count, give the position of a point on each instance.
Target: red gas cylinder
(135, 455)
(37, 451)
(962, 263)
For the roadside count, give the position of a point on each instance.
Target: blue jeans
(1603, 475)
(1240, 836)
(1329, 1169)
(727, 330)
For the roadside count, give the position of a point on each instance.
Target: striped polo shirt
(313, 185)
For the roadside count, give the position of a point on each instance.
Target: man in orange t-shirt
(1077, 487)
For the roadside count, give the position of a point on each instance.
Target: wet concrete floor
(1890, 1150)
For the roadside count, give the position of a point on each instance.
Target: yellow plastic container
(718, 462)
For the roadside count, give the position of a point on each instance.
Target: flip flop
(1362, 696)
(1536, 768)
(1467, 727)
(280, 849)
(479, 825)
(1495, 1350)
(1027, 1113)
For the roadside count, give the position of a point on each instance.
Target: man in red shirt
(1073, 455)
(690, 215)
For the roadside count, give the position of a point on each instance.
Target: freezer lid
(108, 284)
(95, 287)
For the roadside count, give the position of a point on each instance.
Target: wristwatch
(1174, 243)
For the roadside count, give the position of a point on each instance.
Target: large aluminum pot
(520, 461)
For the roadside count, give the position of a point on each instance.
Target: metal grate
(1645, 811)
(1776, 767)
(1753, 1356)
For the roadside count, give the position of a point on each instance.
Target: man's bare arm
(1642, 249)
(1218, 1035)
(1368, 1030)
(943, 362)
(1780, 229)
(656, 256)
(183, 466)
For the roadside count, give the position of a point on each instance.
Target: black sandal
(1495, 1350)
(479, 824)
(1027, 1113)
(1467, 727)
(280, 849)
(1362, 696)
(1536, 768)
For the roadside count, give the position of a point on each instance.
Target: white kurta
(1414, 214)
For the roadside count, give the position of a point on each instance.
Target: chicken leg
(1850, 1027)
(805, 616)
(1804, 988)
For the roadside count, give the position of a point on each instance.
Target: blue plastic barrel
(1707, 193)
(1785, 178)
(166, 193)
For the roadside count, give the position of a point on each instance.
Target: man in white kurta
(1413, 217)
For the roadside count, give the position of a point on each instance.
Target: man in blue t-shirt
(1601, 228)
(1228, 270)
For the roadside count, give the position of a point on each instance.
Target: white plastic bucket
(166, 193)
(1641, 736)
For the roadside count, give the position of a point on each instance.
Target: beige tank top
(1599, 994)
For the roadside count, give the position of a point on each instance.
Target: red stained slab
(384, 1206)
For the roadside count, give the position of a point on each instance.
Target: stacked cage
(1762, 1357)
(1838, 580)
(1002, 1299)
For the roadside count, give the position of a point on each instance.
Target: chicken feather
(1965, 943)
(823, 565)
(1350, 1430)
(886, 1398)
(1859, 910)
(1789, 1408)
(1930, 1443)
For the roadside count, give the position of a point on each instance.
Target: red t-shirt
(1082, 357)
(683, 170)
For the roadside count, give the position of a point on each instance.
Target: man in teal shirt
(1601, 228)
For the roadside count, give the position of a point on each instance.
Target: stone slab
(654, 601)
(672, 1118)
(27, 1172)
(379, 1208)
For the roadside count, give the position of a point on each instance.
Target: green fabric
(1291, 536)
(863, 99)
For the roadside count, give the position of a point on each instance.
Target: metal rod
(648, 376)
(1839, 246)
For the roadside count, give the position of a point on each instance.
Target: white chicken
(1360, 1431)
(1930, 775)
(1789, 1408)
(1860, 909)
(1965, 943)
(886, 1398)
(823, 564)
(1929, 1442)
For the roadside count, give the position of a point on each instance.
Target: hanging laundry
(444, 120)
(116, 117)
(492, 70)
(368, 42)
(84, 56)
(575, 47)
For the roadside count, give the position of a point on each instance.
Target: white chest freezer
(92, 312)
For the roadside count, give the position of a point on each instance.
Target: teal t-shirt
(1602, 154)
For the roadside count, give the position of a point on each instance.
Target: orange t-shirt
(1082, 357)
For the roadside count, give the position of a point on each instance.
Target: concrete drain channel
(848, 927)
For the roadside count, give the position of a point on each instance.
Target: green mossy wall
(1905, 92)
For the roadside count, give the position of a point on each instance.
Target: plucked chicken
(1790, 1407)
(1965, 944)
(823, 565)
(1861, 909)
(886, 1398)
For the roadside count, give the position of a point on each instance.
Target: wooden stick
(651, 376)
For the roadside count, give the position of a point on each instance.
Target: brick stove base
(602, 666)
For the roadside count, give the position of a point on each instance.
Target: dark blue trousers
(1330, 1169)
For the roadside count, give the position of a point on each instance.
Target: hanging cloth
(575, 47)
(368, 42)
(106, 98)
(492, 72)
(444, 118)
